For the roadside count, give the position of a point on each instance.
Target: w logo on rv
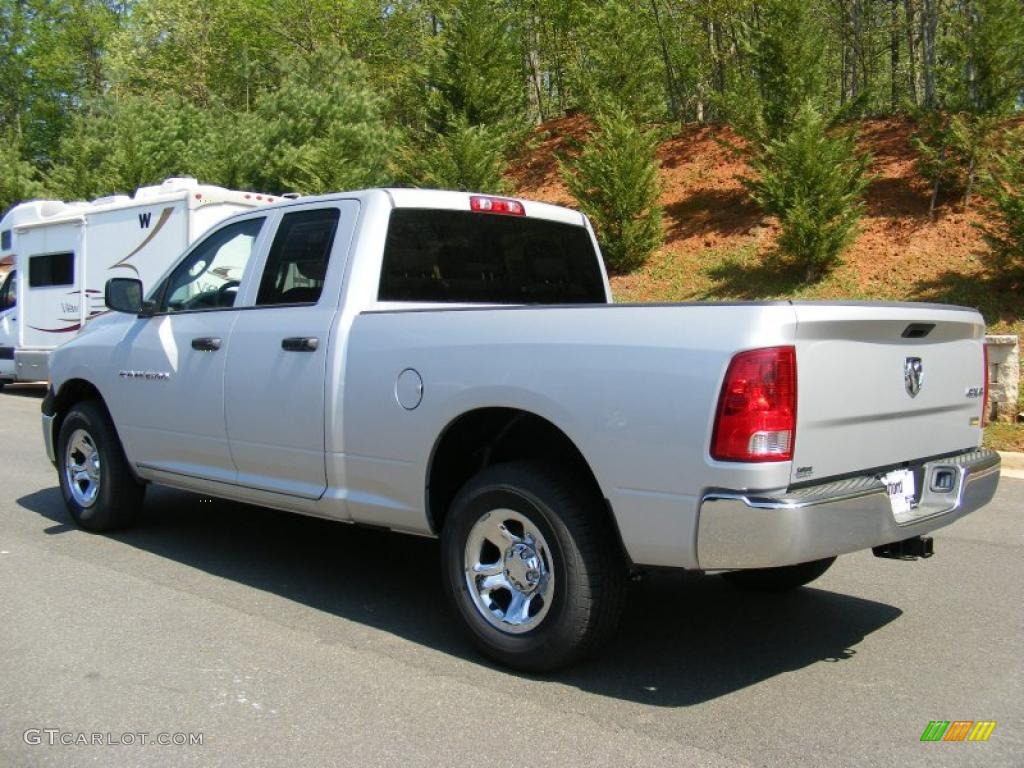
(144, 219)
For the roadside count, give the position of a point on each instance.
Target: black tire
(589, 571)
(118, 498)
(779, 579)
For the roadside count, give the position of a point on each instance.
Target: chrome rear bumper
(744, 530)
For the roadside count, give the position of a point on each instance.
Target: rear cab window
(446, 256)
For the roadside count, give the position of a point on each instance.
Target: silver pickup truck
(451, 365)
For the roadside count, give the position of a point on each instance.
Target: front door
(277, 363)
(169, 399)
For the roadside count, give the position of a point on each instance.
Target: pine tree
(787, 69)
(118, 144)
(19, 180)
(615, 182)
(981, 79)
(475, 103)
(813, 182)
(323, 129)
(1003, 187)
(464, 157)
(616, 61)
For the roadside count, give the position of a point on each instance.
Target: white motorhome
(64, 253)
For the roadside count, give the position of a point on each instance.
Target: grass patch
(1005, 437)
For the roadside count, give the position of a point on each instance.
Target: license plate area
(922, 491)
(901, 488)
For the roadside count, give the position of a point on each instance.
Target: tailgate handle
(300, 344)
(206, 344)
(918, 330)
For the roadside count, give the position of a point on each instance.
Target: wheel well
(73, 391)
(487, 436)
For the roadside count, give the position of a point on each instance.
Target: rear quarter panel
(634, 387)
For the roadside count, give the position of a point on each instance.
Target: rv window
(9, 291)
(51, 269)
(5, 240)
(209, 276)
(298, 258)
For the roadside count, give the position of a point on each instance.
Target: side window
(50, 269)
(297, 261)
(9, 291)
(209, 276)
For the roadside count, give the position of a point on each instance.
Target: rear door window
(467, 257)
(297, 262)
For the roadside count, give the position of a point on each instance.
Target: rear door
(276, 365)
(879, 385)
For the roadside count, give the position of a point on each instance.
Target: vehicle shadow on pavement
(684, 639)
(28, 391)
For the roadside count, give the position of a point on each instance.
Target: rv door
(51, 309)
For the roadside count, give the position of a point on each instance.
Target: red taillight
(756, 418)
(984, 381)
(496, 205)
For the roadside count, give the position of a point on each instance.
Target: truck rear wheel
(780, 579)
(531, 567)
(99, 490)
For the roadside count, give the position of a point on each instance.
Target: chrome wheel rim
(82, 468)
(509, 571)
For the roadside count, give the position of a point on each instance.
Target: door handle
(206, 344)
(300, 344)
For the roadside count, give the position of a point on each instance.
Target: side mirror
(124, 294)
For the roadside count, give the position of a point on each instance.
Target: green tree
(19, 180)
(615, 182)
(205, 53)
(813, 181)
(980, 73)
(323, 129)
(475, 102)
(480, 76)
(118, 144)
(786, 69)
(464, 157)
(617, 60)
(51, 55)
(1002, 184)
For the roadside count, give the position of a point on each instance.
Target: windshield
(9, 291)
(466, 257)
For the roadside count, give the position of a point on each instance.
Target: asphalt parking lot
(284, 640)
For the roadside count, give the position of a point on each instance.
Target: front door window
(209, 276)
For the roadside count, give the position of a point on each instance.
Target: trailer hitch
(908, 549)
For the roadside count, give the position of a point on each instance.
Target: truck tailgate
(883, 384)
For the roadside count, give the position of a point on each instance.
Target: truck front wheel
(531, 567)
(780, 579)
(99, 490)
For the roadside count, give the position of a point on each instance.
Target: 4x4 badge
(913, 375)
